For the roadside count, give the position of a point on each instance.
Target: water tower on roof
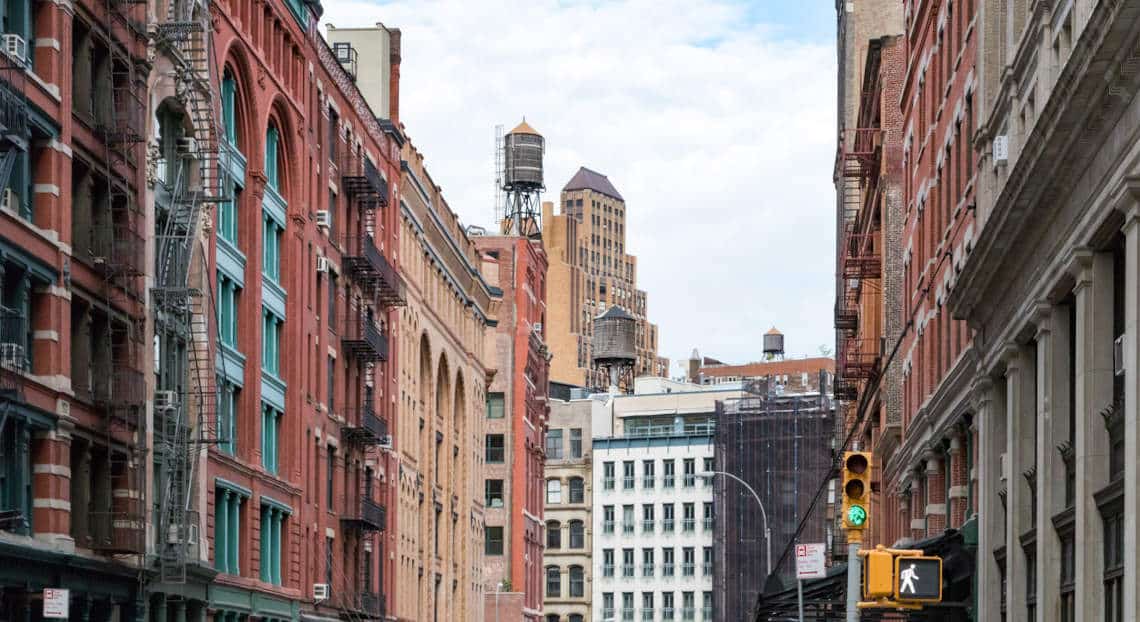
(522, 180)
(614, 344)
(774, 345)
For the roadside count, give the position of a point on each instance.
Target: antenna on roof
(498, 174)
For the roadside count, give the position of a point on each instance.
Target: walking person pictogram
(908, 577)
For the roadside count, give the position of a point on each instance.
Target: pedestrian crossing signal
(918, 579)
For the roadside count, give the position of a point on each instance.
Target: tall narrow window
(330, 474)
(229, 102)
(494, 405)
(272, 163)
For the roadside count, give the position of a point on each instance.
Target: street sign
(918, 579)
(55, 603)
(811, 561)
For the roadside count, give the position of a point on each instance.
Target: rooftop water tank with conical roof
(615, 338)
(523, 148)
(774, 342)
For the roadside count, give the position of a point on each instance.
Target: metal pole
(763, 512)
(800, 597)
(852, 581)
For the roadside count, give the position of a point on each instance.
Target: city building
(869, 313)
(445, 364)
(515, 427)
(652, 514)
(304, 272)
(73, 310)
(779, 440)
(593, 266)
(568, 570)
(1049, 287)
(793, 374)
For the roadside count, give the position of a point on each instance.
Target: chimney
(394, 76)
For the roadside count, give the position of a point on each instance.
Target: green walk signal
(856, 516)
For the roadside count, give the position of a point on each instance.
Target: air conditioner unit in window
(174, 531)
(324, 218)
(320, 592)
(1001, 149)
(16, 47)
(187, 145)
(322, 264)
(165, 400)
(12, 356)
(10, 201)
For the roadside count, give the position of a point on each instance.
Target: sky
(714, 119)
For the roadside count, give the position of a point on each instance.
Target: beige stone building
(567, 567)
(592, 270)
(444, 370)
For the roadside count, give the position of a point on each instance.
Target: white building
(652, 525)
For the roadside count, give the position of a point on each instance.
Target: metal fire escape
(185, 401)
(860, 256)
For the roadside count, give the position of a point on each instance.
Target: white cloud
(719, 134)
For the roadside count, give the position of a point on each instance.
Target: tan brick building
(590, 271)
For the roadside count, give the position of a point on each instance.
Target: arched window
(554, 491)
(272, 160)
(577, 582)
(553, 582)
(577, 490)
(229, 107)
(553, 534)
(576, 617)
(552, 617)
(577, 534)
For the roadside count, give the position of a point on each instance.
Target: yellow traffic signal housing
(878, 574)
(918, 579)
(856, 490)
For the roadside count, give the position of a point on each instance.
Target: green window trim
(227, 416)
(229, 102)
(227, 529)
(272, 523)
(270, 438)
(271, 329)
(272, 163)
(495, 405)
(271, 234)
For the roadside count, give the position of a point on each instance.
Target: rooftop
(765, 368)
(585, 179)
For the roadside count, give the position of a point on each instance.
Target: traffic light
(878, 573)
(856, 491)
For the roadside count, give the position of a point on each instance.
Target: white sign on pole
(55, 603)
(811, 562)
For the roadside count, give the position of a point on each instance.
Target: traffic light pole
(853, 591)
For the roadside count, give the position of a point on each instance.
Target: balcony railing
(669, 480)
(368, 429)
(627, 528)
(667, 570)
(667, 525)
(689, 524)
(647, 614)
(647, 570)
(120, 387)
(369, 516)
(117, 251)
(648, 482)
(667, 613)
(690, 480)
(647, 525)
(627, 614)
(367, 265)
(608, 613)
(688, 570)
(688, 613)
(706, 613)
(13, 102)
(361, 337)
(607, 483)
(627, 482)
(607, 570)
(708, 524)
(706, 569)
(361, 180)
(627, 570)
(607, 526)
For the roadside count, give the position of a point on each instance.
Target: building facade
(444, 372)
(1050, 289)
(568, 571)
(653, 539)
(569, 318)
(595, 249)
(516, 421)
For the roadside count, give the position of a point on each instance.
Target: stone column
(917, 505)
(990, 408)
(935, 492)
(275, 546)
(1052, 423)
(234, 515)
(179, 611)
(51, 481)
(1093, 289)
(1131, 412)
(1019, 449)
(958, 472)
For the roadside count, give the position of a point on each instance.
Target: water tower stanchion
(523, 150)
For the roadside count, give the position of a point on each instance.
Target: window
(575, 442)
(627, 606)
(667, 605)
(710, 466)
(227, 416)
(493, 492)
(608, 605)
(647, 518)
(553, 491)
(577, 534)
(607, 562)
(493, 541)
(667, 515)
(627, 474)
(227, 530)
(688, 561)
(688, 605)
(669, 466)
(647, 562)
(647, 605)
(272, 528)
(271, 249)
(495, 405)
(271, 343)
(708, 516)
(627, 562)
(707, 562)
(707, 606)
(553, 534)
(576, 617)
(608, 519)
(334, 134)
(229, 103)
(647, 476)
(496, 449)
(227, 310)
(627, 519)
(667, 562)
(330, 394)
(272, 161)
(329, 542)
(608, 475)
(330, 321)
(270, 433)
(1112, 516)
(553, 582)
(330, 474)
(554, 444)
(690, 472)
(577, 582)
(689, 522)
(577, 490)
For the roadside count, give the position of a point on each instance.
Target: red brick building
(926, 481)
(302, 260)
(515, 532)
